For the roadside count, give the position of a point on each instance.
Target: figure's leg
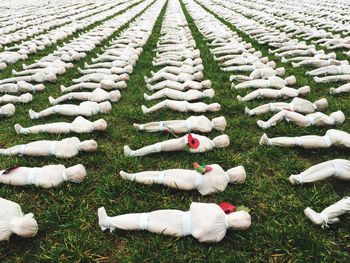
(342, 89)
(335, 78)
(258, 110)
(273, 120)
(158, 106)
(320, 71)
(309, 141)
(157, 95)
(60, 99)
(315, 173)
(14, 150)
(47, 112)
(148, 177)
(250, 96)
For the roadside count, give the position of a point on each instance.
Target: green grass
(68, 226)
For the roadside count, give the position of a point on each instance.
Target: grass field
(67, 215)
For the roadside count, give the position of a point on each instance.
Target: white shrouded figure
(334, 78)
(188, 95)
(181, 144)
(39, 77)
(182, 77)
(342, 89)
(23, 98)
(313, 119)
(284, 93)
(20, 87)
(271, 82)
(337, 168)
(47, 176)
(7, 110)
(297, 105)
(259, 73)
(106, 84)
(182, 106)
(330, 70)
(12, 220)
(331, 138)
(79, 125)
(98, 95)
(98, 77)
(194, 123)
(210, 182)
(65, 148)
(330, 214)
(206, 222)
(187, 85)
(86, 108)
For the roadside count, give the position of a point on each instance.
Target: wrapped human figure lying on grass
(79, 125)
(7, 110)
(98, 95)
(47, 176)
(114, 70)
(105, 84)
(319, 56)
(86, 108)
(98, 77)
(296, 105)
(192, 124)
(20, 87)
(50, 70)
(192, 143)
(24, 98)
(206, 179)
(182, 77)
(187, 85)
(271, 82)
(318, 63)
(337, 168)
(342, 89)
(13, 221)
(178, 63)
(178, 70)
(252, 67)
(188, 95)
(260, 73)
(39, 77)
(331, 138)
(284, 93)
(330, 70)
(334, 78)
(44, 64)
(182, 106)
(66, 148)
(330, 214)
(313, 119)
(207, 222)
(172, 55)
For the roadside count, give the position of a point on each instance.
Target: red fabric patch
(192, 142)
(227, 207)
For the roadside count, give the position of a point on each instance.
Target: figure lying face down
(193, 143)
(66, 148)
(12, 220)
(207, 180)
(7, 110)
(47, 176)
(204, 221)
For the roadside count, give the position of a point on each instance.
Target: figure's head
(199, 67)
(124, 77)
(264, 60)
(100, 125)
(321, 104)
(105, 106)
(257, 54)
(8, 109)
(240, 220)
(332, 55)
(3, 65)
(208, 93)
(280, 71)
(291, 80)
(338, 116)
(51, 77)
(221, 141)
(114, 95)
(198, 61)
(304, 90)
(248, 45)
(69, 65)
(196, 53)
(88, 146)
(26, 97)
(76, 173)
(214, 107)
(344, 62)
(61, 70)
(121, 85)
(271, 64)
(219, 123)
(107, 84)
(198, 75)
(128, 69)
(237, 175)
(24, 226)
(206, 84)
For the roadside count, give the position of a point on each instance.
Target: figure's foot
(24, 66)
(18, 128)
(295, 65)
(262, 124)
(102, 218)
(80, 70)
(292, 179)
(317, 79)
(313, 216)
(264, 139)
(86, 65)
(146, 96)
(14, 72)
(239, 98)
(149, 86)
(127, 150)
(332, 91)
(63, 89)
(52, 100)
(33, 115)
(284, 60)
(247, 111)
(146, 79)
(145, 110)
(232, 77)
(233, 86)
(126, 175)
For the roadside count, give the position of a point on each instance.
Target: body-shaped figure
(342, 89)
(105, 84)
(188, 95)
(65, 148)
(194, 123)
(98, 95)
(312, 119)
(330, 70)
(338, 168)
(46, 176)
(20, 87)
(331, 138)
(182, 77)
(24, 98)
(39, 77)
(271, 82)
(182, 106)
(205, 222)
(7, 110)
(297, 105)
(98, 77)
(190, 84)
(334, 78)
(86, 108)
(210, 182)
(284, 93)
(79, 125)
(259, 73)
(12, 220)
(181, 144)
(330, 214)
